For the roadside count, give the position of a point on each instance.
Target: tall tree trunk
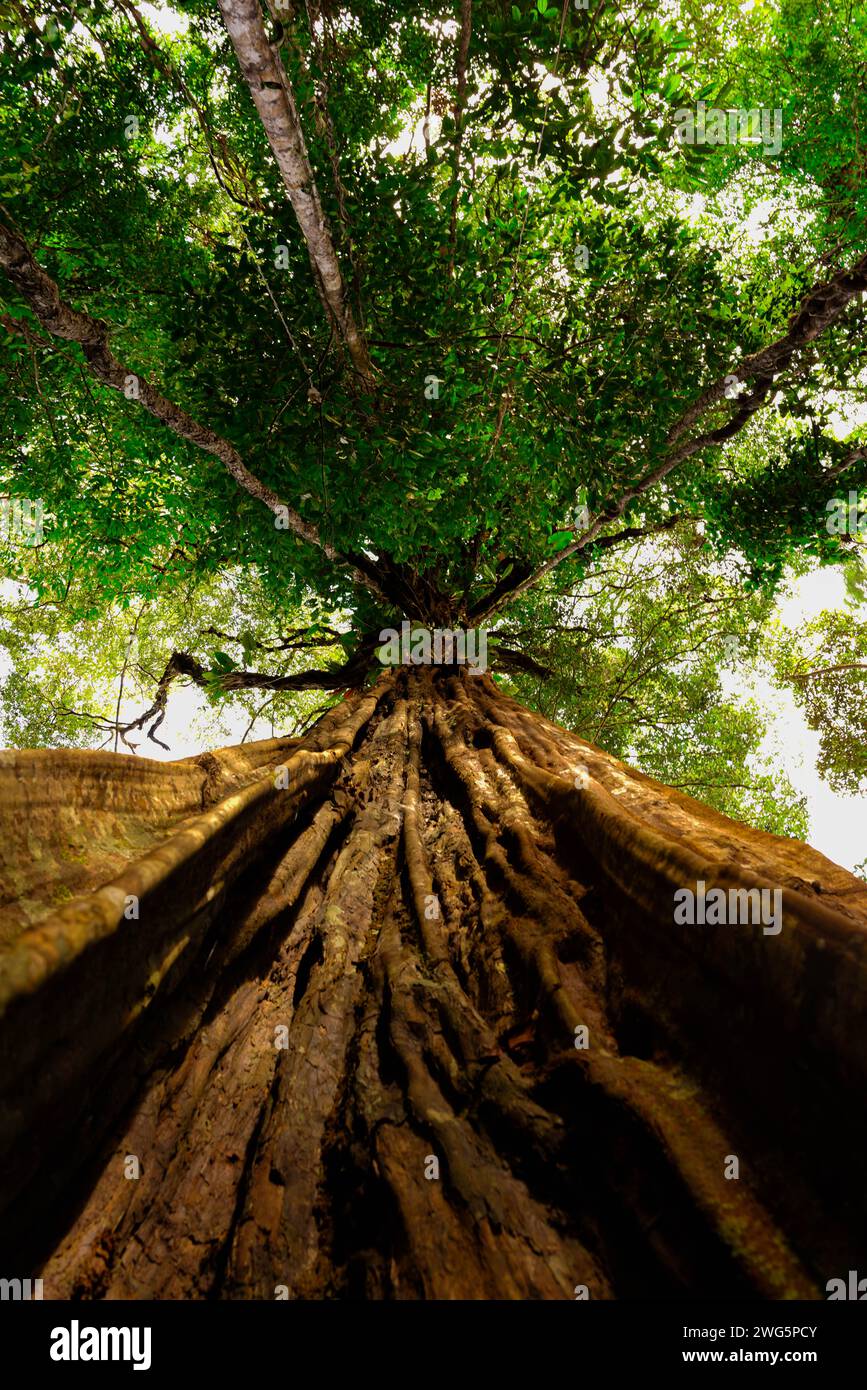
(337, 1043)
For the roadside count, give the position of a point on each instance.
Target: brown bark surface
(371, 948)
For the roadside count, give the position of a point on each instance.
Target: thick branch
(459, 106)
(830, 670)
(183, 664)
(819, 309)
(43, 296)
(856, 455)
(519, 577)
(638, 533)
(508, 659)
(273, 98)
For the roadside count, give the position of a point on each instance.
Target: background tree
(825, 667)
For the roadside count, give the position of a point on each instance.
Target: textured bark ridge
(339, 1036)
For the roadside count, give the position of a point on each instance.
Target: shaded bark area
(339, 1037)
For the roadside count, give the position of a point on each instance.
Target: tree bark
(362, 957)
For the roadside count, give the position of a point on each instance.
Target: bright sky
(838, 824)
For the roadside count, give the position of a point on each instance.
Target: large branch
(829, 670)
(351, 674)
(640, 533)
(819, 309)
(458, 111)
(273, 98)
(507, 659)
(41, 293)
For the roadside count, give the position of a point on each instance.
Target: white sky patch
(838, 827)
(756, 228)
(599, 91)
(412, 136)
(838, 824)
(163, 19)
(811, 595)
(850, 415)
(170, 136)
(188, 715)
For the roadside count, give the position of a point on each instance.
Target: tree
(364, 317)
